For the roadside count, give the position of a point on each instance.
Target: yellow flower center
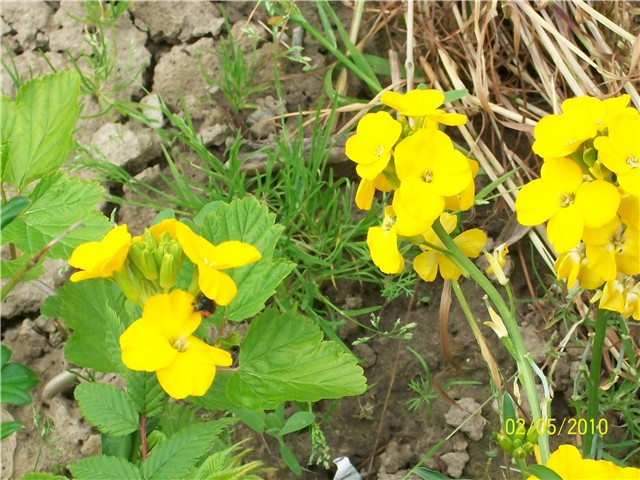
(566, 199)
(208, 263)
(379, 150)
(388, 222)
(181, 344)
(428, 176)
(633, 162)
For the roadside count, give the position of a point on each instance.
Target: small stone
(119, 145)
(459, 417)
(395, 457)
(455, 463)
(366, 354)
(45, 325)
(214, 135)
(151, 110)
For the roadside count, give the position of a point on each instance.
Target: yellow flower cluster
(146, 269)
(418, 162)
(588, 192)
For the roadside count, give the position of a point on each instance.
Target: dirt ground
(374, 430)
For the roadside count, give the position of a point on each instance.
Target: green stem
(525, 371)
(593, 388)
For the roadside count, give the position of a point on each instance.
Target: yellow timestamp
(555, 426)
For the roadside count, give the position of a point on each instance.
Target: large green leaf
(176, 456)
(95, 310)
(7, 428)
(56, 203)
(248, 221)
(145, 392)
(15, 380)
(104, 468)
(108, 408)
(283, 357)
(40, 135)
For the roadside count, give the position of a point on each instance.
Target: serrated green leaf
(45, 112)
(107, 407)
(7, 428)
(104, 468)
(146, 393)
(11, 209)
(216, 396)
(117, 446)
(15, 380)
(176, 417)
(174, 457)
(248, 221)
(90, 308)
(283, 357)
(10, 268)
(58, 202)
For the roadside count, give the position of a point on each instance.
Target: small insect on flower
(204, 305)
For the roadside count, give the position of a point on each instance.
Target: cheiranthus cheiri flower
(599, 112)
(571, 266)
(561, 135)
(367, 189)
(465, 199)
(561, 197)
(383, 245)
(211, 260)
(101, 259)
(497, 260)
(431, 260)
(620, 295)
(613, 248)
(429, 169)
(372, 145)
(162, 342)
(422, 103)
(620, 150)
(567, 462)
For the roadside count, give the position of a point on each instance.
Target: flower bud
(504, 443)
(532, 434)
(528, 447)
(130, 290)
(521, 432)
(519, 453)
(169, 271)
(517, 443)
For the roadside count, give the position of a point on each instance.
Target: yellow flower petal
(233, 254)
(563, 175)
(565, 228)
(383, 246)
(471, 242)
(629, 210)
(426, 265)
(101, 259)
(630, 181)
(192, 371)
(448, 269)
(364, 194)
(415, 103)
(168, 225)
(415, 155)
(536, 203)
(451, 175)
(216, 285)
(416, 206)
(598, 202)
(561, 135)
(172, 314)
(145, 348)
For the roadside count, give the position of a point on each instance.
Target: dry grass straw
(519, 61)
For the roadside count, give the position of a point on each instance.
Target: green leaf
(104, 468)
(10, 268)
(248, 221)
(297, 421)
(254, 420)
(44, 114)
(508, 413)
(42, 476)
(95, 310)
(58, 202)
(15, 380)
(542, 472)
(146, 393)
(11, 209)
(216, 397)
(174, 457)
(289, 458)
(107, 407)
(283, 357)
(117, 446)
(7, 428)
(176, 417)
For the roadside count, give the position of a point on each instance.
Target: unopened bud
(521, 432)
(169, 271)
(504, 443)
(528, 447)
(519, 453)
(532, 434)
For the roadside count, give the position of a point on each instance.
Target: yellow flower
(383, 245)
(561, 197)
(465, 199)
(599, 112)
(620, 150)
(629, 211)
(429, 169)
(561, 135)
(572, 266)
(101, 259)
(497, 260)
(432, 260)
(567, 462)
(371, 146)
(367, 189)
(162, 342)
(613, 248)
(620, 295)
(211, 260)
(422, 103)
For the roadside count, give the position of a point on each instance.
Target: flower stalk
(593, 388)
